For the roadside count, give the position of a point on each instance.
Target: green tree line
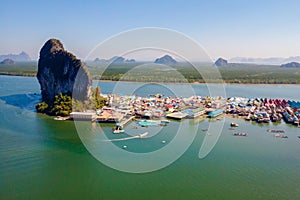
(64, 104)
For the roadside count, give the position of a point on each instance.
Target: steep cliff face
(61, 72)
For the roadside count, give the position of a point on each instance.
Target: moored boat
(234, 124)
(118, 129)
(248, 118)
(165, 121)
(275, 131)
(288, 118)
(240, 134)
(60, 118)
(277, 135)
(275, 118)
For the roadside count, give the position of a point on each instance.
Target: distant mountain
(7, 61)
(291, 65)
(98, 60)
(16, 57)
(266, 61)
(221, 62)
(130, 60)
(293, 59)
(167, 60)
(115, 59)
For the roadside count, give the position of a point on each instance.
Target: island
(65, 82)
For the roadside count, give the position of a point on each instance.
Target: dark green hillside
(19, 68)
(233, 73)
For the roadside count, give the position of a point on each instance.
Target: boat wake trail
(127, 138)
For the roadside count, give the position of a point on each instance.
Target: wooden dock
(125, 121)
(177, 115)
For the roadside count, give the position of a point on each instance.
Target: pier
(83, 116)
(125, 121)
(177, 115)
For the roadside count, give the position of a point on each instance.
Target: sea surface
(41, 158)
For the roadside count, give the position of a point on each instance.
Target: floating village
(157, 110)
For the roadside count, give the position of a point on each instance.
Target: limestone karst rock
(60, 71)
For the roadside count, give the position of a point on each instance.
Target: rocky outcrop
(167, 60)
(221, 62)
(291, 65)
(7, 62)
(60, 71)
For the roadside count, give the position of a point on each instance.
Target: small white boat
(234, 124)
(61, 118)
(277, 135)
(118, 131)
(241, 134)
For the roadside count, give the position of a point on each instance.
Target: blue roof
(215, 112)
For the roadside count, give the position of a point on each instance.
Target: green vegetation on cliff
(64, 104)
(99, 101)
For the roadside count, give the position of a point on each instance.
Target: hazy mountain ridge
(7, 61)
(267, 61)
(115, 59)
(291, 65)
(21, 57)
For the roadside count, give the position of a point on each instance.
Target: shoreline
(11, 74)
(155, 82)
(258, 110)
(254, 84)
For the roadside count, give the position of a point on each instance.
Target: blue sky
(225, 28)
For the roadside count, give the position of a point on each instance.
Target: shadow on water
(57, 134)
(23, 101)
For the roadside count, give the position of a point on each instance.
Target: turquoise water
(148, 123)
(250, 91)
(45, 159)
